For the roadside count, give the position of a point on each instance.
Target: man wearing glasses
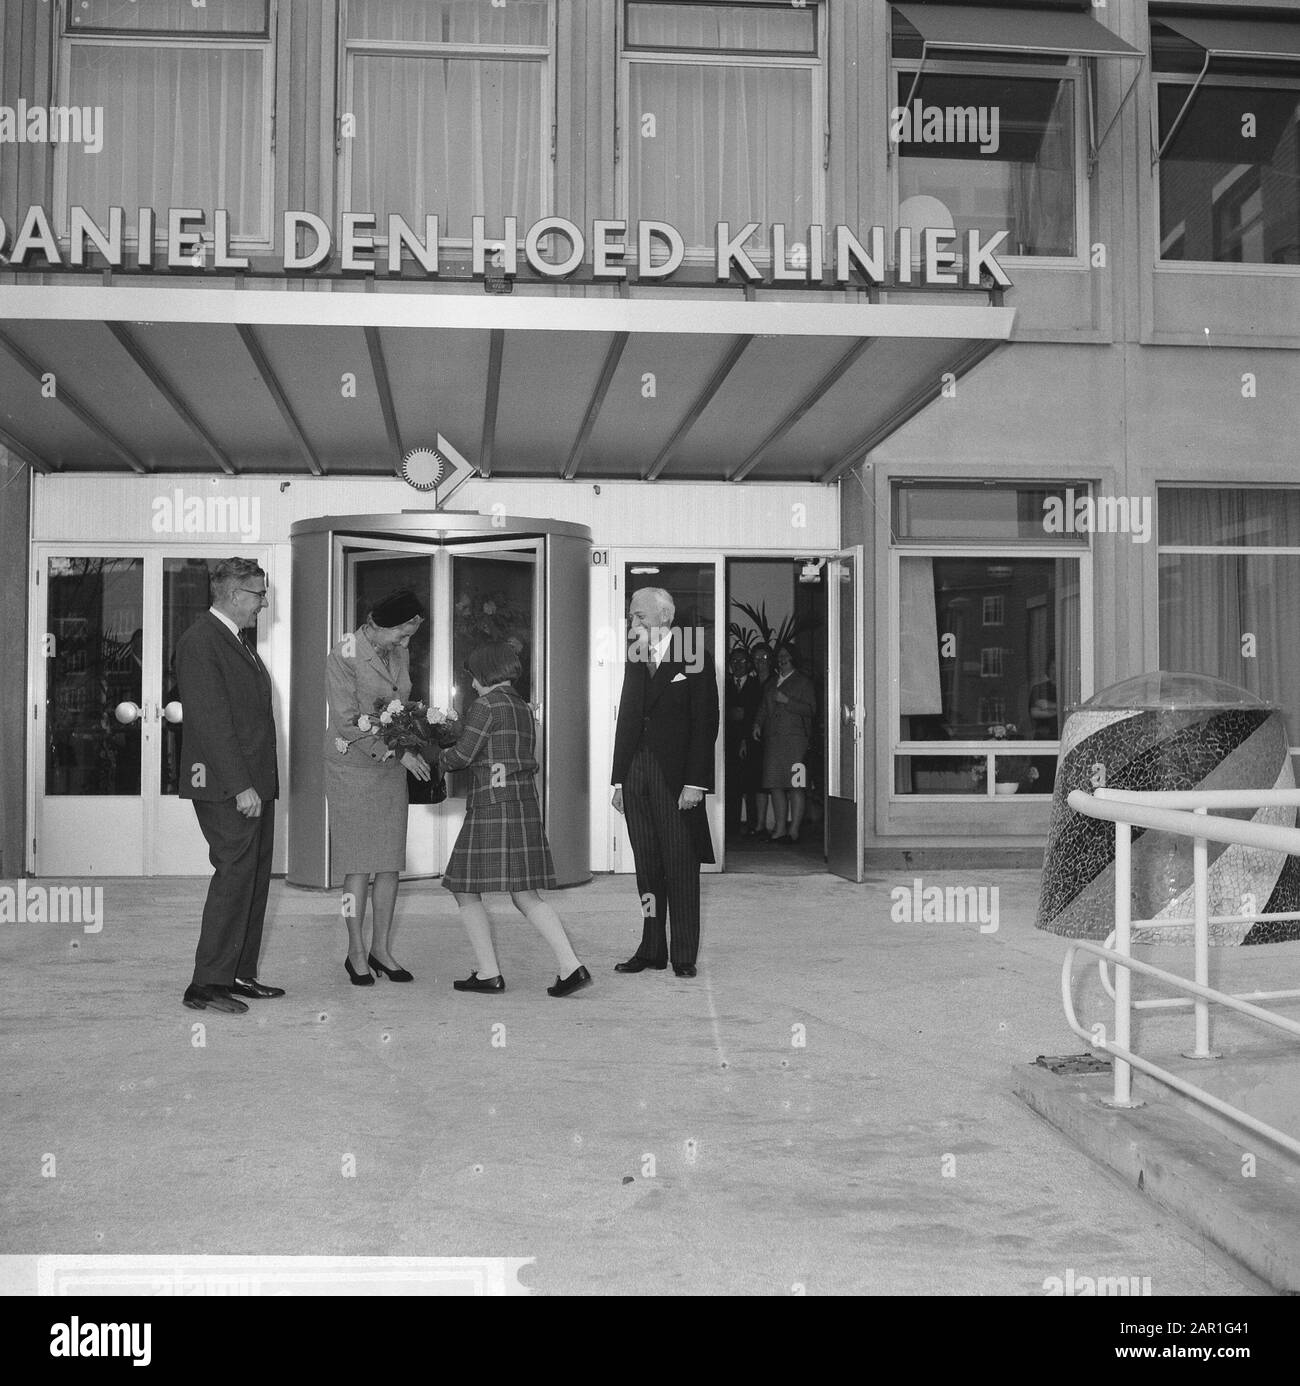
(228, 768)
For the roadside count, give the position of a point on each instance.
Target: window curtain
(731, 142)
(448, 21)
(1043, 191)
(451, 136)
(1069, 657)
(918, 627)
(182, 127)
(1234, 615)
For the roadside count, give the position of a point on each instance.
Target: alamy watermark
(24, 124)
(934, 904)
(179, 513)
(24, 903)
(918, 123)
(1089, 514)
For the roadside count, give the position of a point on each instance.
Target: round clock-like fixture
(423, 468)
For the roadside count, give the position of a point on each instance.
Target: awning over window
(1014, 31)
(1049, 32)
(1239, 38)
(1229, 38)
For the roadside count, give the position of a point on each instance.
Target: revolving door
(481, 579)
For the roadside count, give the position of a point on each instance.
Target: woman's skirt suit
(786, 729)
(501, 845)
(366, 792)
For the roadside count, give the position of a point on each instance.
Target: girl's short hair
(495, 663)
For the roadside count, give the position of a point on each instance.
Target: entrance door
(108, 717)
(475, 592)
(845, 751)
(698, 588)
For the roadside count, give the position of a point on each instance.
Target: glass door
(845, 750)
(106, 755)
(91, 742)
(698, 589)
(474, 592)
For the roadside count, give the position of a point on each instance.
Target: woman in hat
(365, 782)
(502, 845)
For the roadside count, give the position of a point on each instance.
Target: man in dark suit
(663, 768)
(228, 768)
(744, 763)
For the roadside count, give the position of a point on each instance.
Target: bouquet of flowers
(1008, 770)
(406, 727)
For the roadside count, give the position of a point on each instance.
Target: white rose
(395, 705)
(434, 714)
(386, 718)
(363, 722)
(340, 745)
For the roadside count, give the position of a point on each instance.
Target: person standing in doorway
(743, 761)
(228, 769)
(784, 725)
(663, 767)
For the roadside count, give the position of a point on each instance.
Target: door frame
(715, 803)
(852, 716)
(443, 821)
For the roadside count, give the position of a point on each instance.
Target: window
(1229, 142)
(1230, 589)
(447, 111)
(994, 610)
(183, 96)
(992, 145)
(975, 718)
(723, 117)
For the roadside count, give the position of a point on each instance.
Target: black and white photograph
(650, 652)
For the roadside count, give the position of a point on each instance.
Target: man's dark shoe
(686, 971)
(251, 987)
(638, 965)
(201, 998)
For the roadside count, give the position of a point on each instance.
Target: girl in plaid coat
(502, 845)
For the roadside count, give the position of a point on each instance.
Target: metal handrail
(1127, 809)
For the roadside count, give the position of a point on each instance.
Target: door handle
(172, 712)
(127, 713)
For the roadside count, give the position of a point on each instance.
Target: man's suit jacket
(228, 725)
(673, 712)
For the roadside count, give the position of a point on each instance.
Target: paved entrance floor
(826, 1107)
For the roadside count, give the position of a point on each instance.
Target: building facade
(972, 331)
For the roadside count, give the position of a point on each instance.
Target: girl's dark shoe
(474, 983)
(579, 977)
(359, 979)
(394, 974)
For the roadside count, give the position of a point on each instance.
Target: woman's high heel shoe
(359, 979)
(394, 974)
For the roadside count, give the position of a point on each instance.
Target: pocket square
(679, 678)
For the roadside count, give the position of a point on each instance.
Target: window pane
(742, 28)
(961, 681)
(1230, 179)
(997, 154)
(96, 616)
(1209, 604)
(182, 127)
(988, 512)
(448, 21)
(730, 144)
(471, 140)
(171, 16)
(1255, 517)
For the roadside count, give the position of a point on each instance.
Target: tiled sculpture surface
(1169, 731)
